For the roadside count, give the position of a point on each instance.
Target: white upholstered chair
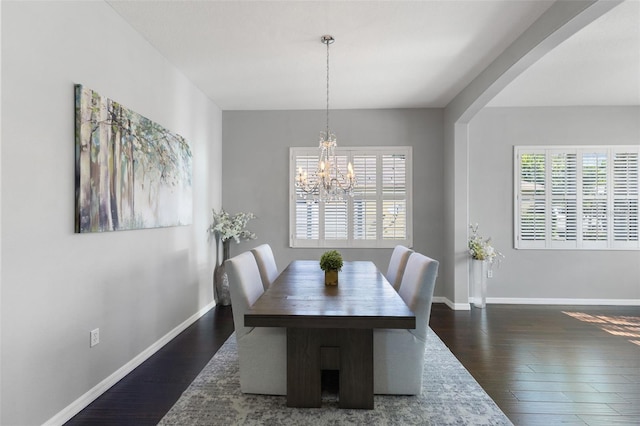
(262, 351)
(266, 264)
(398, 355)
(397, 263)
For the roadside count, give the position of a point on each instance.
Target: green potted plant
(331, 263)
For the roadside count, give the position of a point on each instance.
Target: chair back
(245, 287)
(397, 264)
(416, 290)
(266, 264)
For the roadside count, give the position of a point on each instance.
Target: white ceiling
(267, 55)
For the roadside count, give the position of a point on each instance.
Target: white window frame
(580, 243)
(350, 242)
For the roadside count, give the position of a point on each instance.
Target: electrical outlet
(95, 337)
(489, 273)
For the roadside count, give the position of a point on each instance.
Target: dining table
(330, 327)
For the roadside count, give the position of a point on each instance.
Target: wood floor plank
(543, 386)
(602, 397)
(630, 388)
(542, 396)
(593, 420)
(534, 407)
(546, 419)
(602, 369)
(570, 377)
(626, 409)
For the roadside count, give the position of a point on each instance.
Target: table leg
(304, 377)
(356, 368)
(304, 366)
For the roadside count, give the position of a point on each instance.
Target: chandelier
(328, 182)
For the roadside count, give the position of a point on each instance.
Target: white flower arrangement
(481, 249)
(226, 227)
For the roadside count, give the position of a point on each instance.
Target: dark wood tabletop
(363, 298)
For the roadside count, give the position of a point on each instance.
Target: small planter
(331, 263)
(331, 277)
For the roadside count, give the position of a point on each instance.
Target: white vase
(479, 282)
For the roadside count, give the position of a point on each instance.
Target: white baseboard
(450, 304)
(590, 302)
(537, 301)
(79, 404)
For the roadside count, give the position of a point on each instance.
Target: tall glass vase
(220, 279)
(479, 282)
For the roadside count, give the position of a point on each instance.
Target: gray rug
(450, 396)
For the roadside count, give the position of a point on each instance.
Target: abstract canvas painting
(131, 172)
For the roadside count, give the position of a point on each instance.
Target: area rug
(450, 396)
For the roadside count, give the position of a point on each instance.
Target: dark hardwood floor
(550, 365)
(145, 395)
(543, 365)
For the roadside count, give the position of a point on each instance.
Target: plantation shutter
(378, 214)
(564, 212)
(594, 199)
(307, 214)
(584, 197)
(365, 198)
(531, 200)
(394, 197)
(626, 195)
(336, 219)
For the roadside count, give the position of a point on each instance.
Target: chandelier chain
(327, 43)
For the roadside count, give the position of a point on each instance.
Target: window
(577, 197)
(378, 215)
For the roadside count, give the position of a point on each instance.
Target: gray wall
(554, 26)
(255, 170)
(136, 286)
(596, 275)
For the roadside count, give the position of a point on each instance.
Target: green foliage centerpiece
(331, 263)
